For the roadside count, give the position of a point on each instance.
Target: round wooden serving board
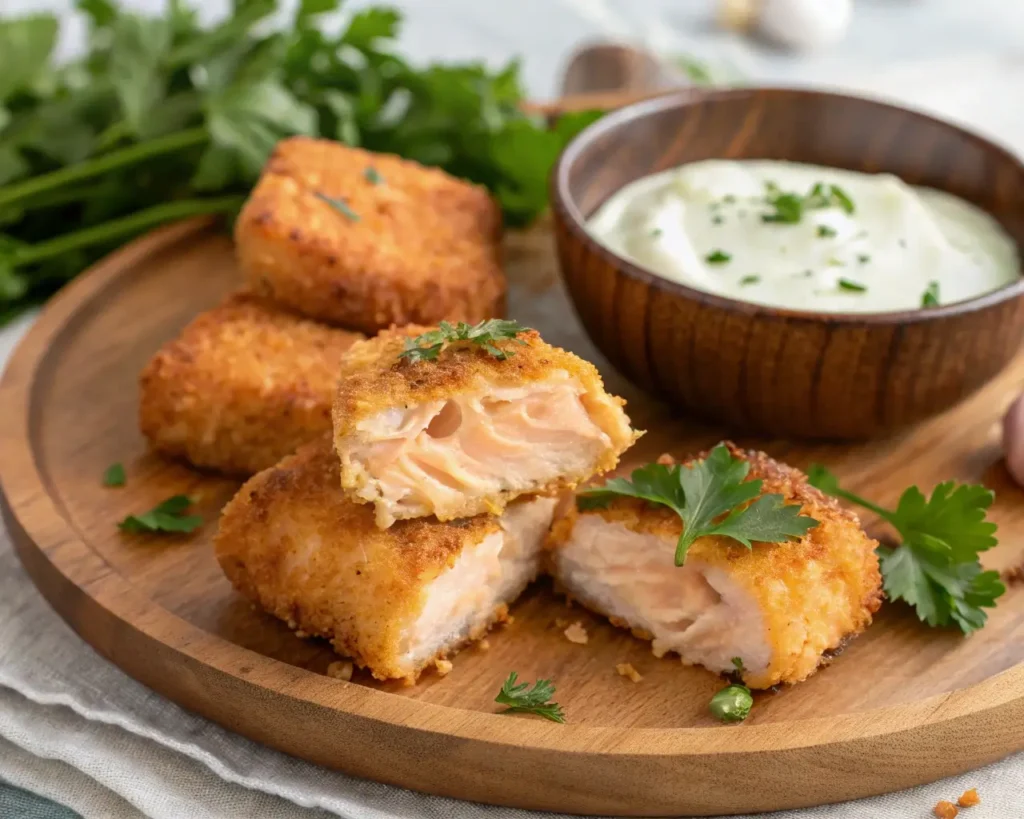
(903, 704)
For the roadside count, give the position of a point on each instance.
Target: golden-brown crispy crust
(835, 563)
(374, 378)
(423, 247)
(243, 385)
(291, 542)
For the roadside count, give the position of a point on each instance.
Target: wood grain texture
(901, 706)
(798, 374)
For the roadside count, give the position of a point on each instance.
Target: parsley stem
(106, 162)
(117, 228)
(885, 514)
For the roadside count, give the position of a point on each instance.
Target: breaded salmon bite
(366, 240)
(395, 601)
(778, 607)
(469, 430)
(243, 385)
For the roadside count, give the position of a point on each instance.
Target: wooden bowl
(764, 369)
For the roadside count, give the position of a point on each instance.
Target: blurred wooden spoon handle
(604, 76)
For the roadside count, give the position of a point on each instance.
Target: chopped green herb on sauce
(749, 280)
(373, 175)
(717, 257)
(852, 286)
(930, 297)
(863, 258)
(826, 232)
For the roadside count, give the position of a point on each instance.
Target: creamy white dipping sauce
(759, 231)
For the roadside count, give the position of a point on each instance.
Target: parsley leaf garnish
(717, 257)
(521, 699)
(339, 205)
(168, 516)
(852, 286)
(936, 567)
(788, 207)
(114, 475)
(711, 497)
(930, 297)
(826, 232)
(749, 280)
(429, 345)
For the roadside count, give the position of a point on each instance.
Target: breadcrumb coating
(409, 243)
(243, 385)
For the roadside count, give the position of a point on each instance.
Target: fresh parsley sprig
(168, 516)
(936, 567)
(428, 346)
(712, 497)
(521, 699)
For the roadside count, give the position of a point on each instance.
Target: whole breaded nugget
(395, 601)
(367, 240)
(778, 607)
(243, 385)
(467, 432)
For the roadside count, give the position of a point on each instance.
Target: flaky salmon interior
(695, 610)
(476, 450)
(466, 599)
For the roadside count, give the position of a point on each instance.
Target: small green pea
(732, 703)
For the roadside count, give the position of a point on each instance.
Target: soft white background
(77, 730)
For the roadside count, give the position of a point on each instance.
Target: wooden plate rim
(24, 487)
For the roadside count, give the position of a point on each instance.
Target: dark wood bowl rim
(566, 207)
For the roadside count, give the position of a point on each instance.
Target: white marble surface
(962, 59)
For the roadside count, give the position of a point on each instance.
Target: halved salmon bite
(778, 607)
(476, 450)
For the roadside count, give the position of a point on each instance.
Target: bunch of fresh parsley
(429, 345)
(935, 568)
(712, 497)
(164, 118)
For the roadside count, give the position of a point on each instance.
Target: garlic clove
(805, 25)
(738, 15)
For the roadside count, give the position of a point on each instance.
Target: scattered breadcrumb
(443, 667)
(301, 634)
(577, 634)
(484, 645)
(509, 620)
(340, 670)
(969, 799)
(627, 670)
(561, 622)
(945, 810)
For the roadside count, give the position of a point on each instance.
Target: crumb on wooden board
(341, 670)
(627, 670)
(577, 634)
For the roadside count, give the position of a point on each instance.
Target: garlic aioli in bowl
(805, 237)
